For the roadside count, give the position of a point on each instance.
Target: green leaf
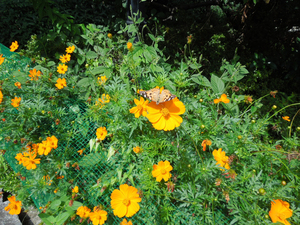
(217, 84)
(55, 204)
(147, 55)
(202, 80)
(61, 218)
(76, 205)
(152, 37)
(84, 82)
(91, 55)
(91, 160)
(51, 63)
(20, 76)
(80, 59)
(253, 109)
(47, 219)
(98, 70)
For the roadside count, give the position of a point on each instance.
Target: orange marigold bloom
(83, 211)
(105, 98)
(19, 157)
(30, 163)
(109, 35)
(16, 102)
(137, 149)
(101, 133)
(124, 222)
(280, 211)
(1, 96)
(205, 143)
(223, 99)
(162, 170)
(1, 59)
(70, 49)
(14, 46)
(287, 118)
(129, 46)
(62, 68)
(75, 189)
(14, 206)
(140, 108)
(18, 85)
(52, 142)
(102, 80)
(98, 216)
(165, 116)
(34, 74)
(65, 58)
(61, 83)
(221, 159)
(125, 201)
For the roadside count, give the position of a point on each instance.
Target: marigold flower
(104, 99)
(98, 216)
(205, 143)
(280, 211)
(129, 46)
(52, 142)
(287, 118)
(221, 159)
(19, 157)
(125, 201)
(102, 80)
(14, 46)
(162, 170)
(1, 59)
(140, 108)
(1, 96)
(16, 102)
(70, 49)
(124, 222)
(165, 116)
(75, 189)
(223, 99)
(62, 68)
(83, 211)
(34, 74)
(101, 133)
(44, 148)
(30, 163)
(65, 58)
(14, 206)
(137, 149)
(61, 83)
(18, 85)
(109, 35)
(248, 99)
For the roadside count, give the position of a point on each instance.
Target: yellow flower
(44, 148)
(65, 58)
(70, 49)
(102, 80)
(1, 59)
(280, 211)
(129, 46)
(101, 133)
(30, 163)
(18, 85)
(19, 157)
(75, 189)
(165, 116)
(80, 151)
(162, 171)
(16, 102)
(14, 206)
(223, 99)
(83, 211)
(189, 39)
(14, 46)
(109, 35)
(287, 118)
(55, 191)
(221, 159)
(137, 149)
(62, 68)
(124, 222)
(47, 180)
(125, 201)
(1, 97)
(104, 99)
(98, 216)
(52, 142)
(140, 108)
(61, 83)
(205, 143)
(34, 74)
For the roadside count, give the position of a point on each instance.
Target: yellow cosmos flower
(140, 108)
(129, 46)
(16, 102)
(20, 158)
(105, 98)
(165, 116)
(75, 189)
(162, 171)
(1, 96)
(137, 149)
(34, 74)
(14, 46)
(30, 163)
(287, 118)
(62, 68)
(70, 49)
(205, 143)
(44, 148)
(1, 59)
(280, 211)
(65, 58)
(109, 35)
(102, 80)
(223, 99)
(52, 142)
(98, 216)
(14, 206)
(61, 83)
(18, 85)
(221, 159)
(83, 211)
(125, 201)
(124, 222)
(101, 133)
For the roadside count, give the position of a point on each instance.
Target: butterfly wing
(165, 96)
(152, 94)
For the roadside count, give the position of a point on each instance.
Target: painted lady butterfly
(158, 95)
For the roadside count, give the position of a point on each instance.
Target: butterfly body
(157, 95)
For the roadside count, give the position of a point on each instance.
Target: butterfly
(158, 95)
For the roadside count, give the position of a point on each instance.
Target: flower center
(140, 107)
(126, 202)
(163, 171)
(165, 112)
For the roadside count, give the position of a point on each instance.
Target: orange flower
(101, 133)
(287, 118)
(16, 102)
(18, 85)
(129, 46)
(280, 211)
(14, 46)
(52, 142)
(124, 222)
(34, 74)
(61, 83)
(14, 206)
(109, 35)
(140, 108)
(98, 216)
(47, 180)
(162, 170)
(70, 49)
(65, 58)
(83, 211)
(221, 159)
(102, 80)
(104, 99)
(75, 189)
(1, 59)
(80, 151)
(248, 99)
(205, 143)
(44, 148)
(62, 68)
(55, 191)
(165, 116)
(223, 99)
(19, 157)
(30, 163)
(125, 201)
(1, 97)
(137, 149)
(189, 39)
